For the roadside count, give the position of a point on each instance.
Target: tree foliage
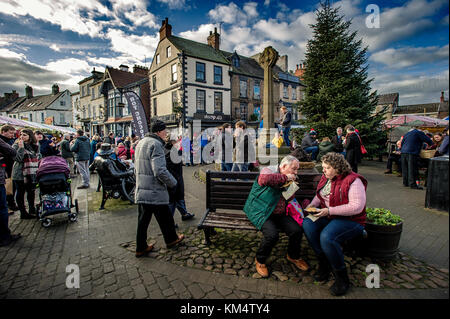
(338, 90)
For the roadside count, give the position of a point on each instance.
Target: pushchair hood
(52, 164)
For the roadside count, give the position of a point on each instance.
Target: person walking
(285, 123)
(24, 172)
(176, 194)
(6, 237)
(412, 143)
(95, 140)
(67, 154)
(151, 195)
(352, 147)
(82, 149)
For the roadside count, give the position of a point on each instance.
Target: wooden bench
(228, 191)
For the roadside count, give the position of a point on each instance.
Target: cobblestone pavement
(35, 265)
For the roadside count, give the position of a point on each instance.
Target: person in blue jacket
(411, 145)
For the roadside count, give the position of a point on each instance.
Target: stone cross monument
(267, 60)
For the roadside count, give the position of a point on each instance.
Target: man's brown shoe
(145, 252)
(299, 263)
(262, 269)
(174, 243)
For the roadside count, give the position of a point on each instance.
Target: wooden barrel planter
(382, 241)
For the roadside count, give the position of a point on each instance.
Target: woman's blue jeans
(326, 236)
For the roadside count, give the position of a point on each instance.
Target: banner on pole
(136, 108)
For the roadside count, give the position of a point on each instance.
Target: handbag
(9, 186)
(278, 141)
(294, 210)
(363, 149)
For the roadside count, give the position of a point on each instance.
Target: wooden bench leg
(207, 232)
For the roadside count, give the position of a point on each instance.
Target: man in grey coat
(151, 195)
(82, 150)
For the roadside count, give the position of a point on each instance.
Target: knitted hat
(312, 132)
(158, 126)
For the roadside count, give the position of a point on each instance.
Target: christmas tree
(338, 90)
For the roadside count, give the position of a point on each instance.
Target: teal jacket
(81, 148)
(261, 202)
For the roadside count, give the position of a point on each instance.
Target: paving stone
(196, 291)
(140, 292)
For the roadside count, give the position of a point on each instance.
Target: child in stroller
(55, 195)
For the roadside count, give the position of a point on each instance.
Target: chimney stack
(137, 69)
(55, 89)
(166, 30)
(123, 67)
(28, 92)
(442, 97)
(300, 71)
(214, 39)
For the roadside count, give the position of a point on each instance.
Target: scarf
(327, 188)
(30, 165)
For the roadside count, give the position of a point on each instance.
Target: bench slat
(220, 225)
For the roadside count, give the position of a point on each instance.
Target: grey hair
(288, 159)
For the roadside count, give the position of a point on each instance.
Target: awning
(23, 123)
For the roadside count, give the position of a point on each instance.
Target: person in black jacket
(337, 140)
(7, 133)
(176, 194)
(46, 146)
(6, 238)
(352, 148)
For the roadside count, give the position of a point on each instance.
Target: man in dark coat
(412, 143)
(6, 237)
(46, 146)
(176, 194)
(7, 134)
(337, 141)
(352, 148)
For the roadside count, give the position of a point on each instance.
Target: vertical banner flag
(136, 108)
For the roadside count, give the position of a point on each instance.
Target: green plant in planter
(383, 217)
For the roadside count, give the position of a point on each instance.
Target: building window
(201, 100)
(42, 117)
(99, 91)
(243, 111)
(169, 51)
(174, 72)
(257, 91)
(285, 91)
(89, 111)
(243, 88)
(200, 72)
(174, 99)
(154, 83)
(218, 102)
(157, 59)
(31, 117)
(82, 91)
(155, 112)
(94, 112)
(62, 119)
(62, 103)
(217, 74)
(294, 93)
(93, 93)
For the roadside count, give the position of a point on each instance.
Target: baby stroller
(55, 196)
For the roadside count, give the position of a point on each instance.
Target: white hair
(287, 160)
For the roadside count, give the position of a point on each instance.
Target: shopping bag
(278, 141)
(295, 211)
(9, 186)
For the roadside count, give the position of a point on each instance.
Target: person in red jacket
(341, 199)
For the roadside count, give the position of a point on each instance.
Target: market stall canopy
(23, 123)
(415, 120)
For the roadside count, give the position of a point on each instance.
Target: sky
(43, 42)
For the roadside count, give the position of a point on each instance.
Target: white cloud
(11, 54)
(411, 56)
(201, 33)
(174, 4)
(232, 14)
(55, 48)
(132, 45)
(398, 23)
(349, 8)
(412, 88)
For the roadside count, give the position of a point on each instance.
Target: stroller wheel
(47, 222)
(73, 217)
